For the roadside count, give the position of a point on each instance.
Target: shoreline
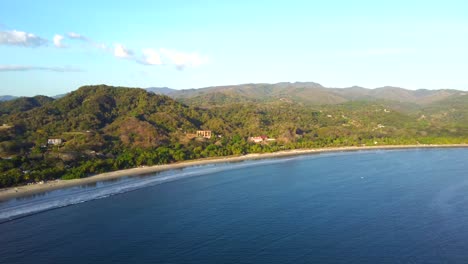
(26, 190)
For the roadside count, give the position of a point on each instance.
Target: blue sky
(53, 47)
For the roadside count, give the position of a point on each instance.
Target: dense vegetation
(108, 128)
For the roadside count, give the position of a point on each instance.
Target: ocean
(379, 206)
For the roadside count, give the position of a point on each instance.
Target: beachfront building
(204, 133)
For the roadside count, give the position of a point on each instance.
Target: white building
(54, 141)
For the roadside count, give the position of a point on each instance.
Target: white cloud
(10, 68)
(121, 52)
(20, 38)
(163, 57)
(147, 56)
(99, 45)
(151, 57)
(58, 41)
(181, 59)
(74, 35)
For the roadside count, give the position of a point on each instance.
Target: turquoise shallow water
(399, 206)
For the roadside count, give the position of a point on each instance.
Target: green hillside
(102, 128)
(23, 104)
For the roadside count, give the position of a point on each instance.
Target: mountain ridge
(302, 92)
(299, 92)
(7, 98)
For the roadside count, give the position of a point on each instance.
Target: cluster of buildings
(258, 139)
(208, 134)
(200, 134)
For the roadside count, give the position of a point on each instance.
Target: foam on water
(60, 198)
(405, 206)
(20, 207)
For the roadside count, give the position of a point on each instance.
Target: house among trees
(260, 139)
(54, 141)
(5, 126)
(204, 133)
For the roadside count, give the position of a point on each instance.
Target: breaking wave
(33, 204)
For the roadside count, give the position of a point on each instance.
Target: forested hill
(102, 128)
(22, 104)
(132, 116)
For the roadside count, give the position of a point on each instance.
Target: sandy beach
(15, 192)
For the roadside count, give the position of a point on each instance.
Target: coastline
(25, 190)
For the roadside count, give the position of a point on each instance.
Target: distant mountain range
(7, 98)
(309, 93)
(160, 90)
(4, 98)
(302, 92)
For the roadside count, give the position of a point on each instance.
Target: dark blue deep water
(401, 206)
